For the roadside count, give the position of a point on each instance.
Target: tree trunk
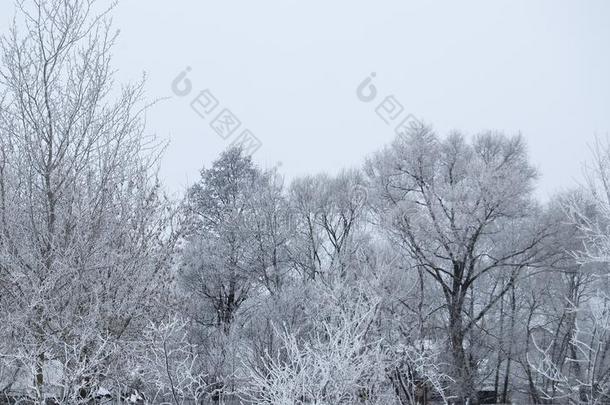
(464, 384)
(500, 347)
(513, 310)
(39, 378)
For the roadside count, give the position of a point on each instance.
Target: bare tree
(328, 215)
(337, 362)
(573, 363)
(85, 234)
(464, 213)
(217, 257)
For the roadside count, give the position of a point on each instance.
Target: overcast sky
(288, 70)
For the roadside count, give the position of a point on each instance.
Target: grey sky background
(289, 71)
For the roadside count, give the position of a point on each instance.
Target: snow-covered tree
(85, 231)
(463, 212)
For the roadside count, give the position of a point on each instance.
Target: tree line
(430, 273)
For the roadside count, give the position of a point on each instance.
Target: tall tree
(327, 213)
(84, 242)
(217, 261)
(463, 212)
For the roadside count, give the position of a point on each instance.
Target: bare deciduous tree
(463, 212)
(84, 228)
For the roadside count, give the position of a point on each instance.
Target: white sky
(289, 71)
